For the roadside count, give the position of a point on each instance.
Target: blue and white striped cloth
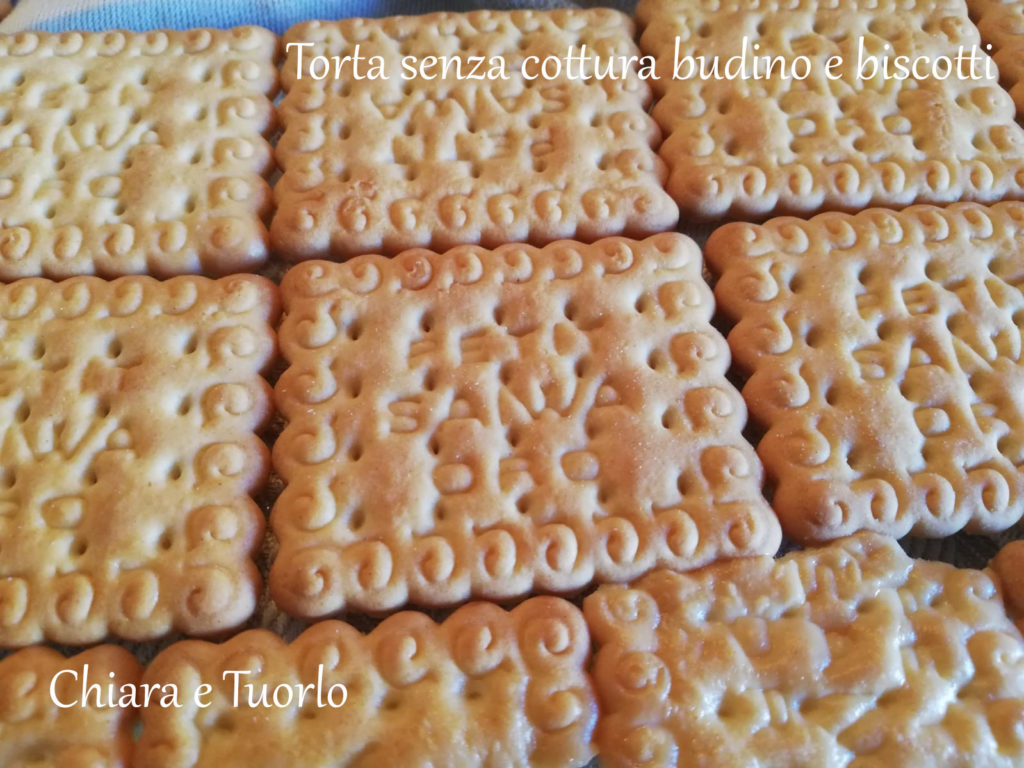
(276, 15)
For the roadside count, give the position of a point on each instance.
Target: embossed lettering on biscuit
(128, 449)
(375, 165)
(885, 360)
(829, 128)
(850, 653)
(493, 423)
(124, 153)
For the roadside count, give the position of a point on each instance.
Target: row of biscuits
(492, 424)
(499, 423)
(147, 153)
(476, 424)
(848, 654)
(127, 153)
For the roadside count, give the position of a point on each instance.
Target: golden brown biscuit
(127, 450)
(1001, 25)
(754, 146)
(848, 655)
(1008, 565)
(484, 688)
(490, 423)
(127, 153)
(47, 720)
(377, 165)
(884, 352)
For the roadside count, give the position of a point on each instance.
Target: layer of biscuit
(128, 413)
(376, 165)
(1001, 25)
(489, 423)
(1008, 566)
(885, 359)
(484, 688)
(852, 654)
(37, 733)
(753, 146)
(124, 153)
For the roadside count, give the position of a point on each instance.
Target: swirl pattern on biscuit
(490, 423)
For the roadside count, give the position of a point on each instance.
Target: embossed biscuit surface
(126, 153)
(378, 165)
(489, 423)
(1001, 25)
(848, 655)
(749, 147)
(37, 733)
(885, 359)
(127, 448)
(485, 688)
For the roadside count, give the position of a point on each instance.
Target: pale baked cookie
(848, 655)
(753, 147)
(484, 688)
(377, 165)
(1001, 25)
(126, 153)
(490, 423)
(884, 352)
(47, 720)
(128, 413)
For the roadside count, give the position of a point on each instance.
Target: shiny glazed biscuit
(488, 423)
(36, 733)
(130, 153)
(127, 449)
(884, 352)
(1001, 24)
(376, 166)
(484, 688)
(754, 147)
(848, 655)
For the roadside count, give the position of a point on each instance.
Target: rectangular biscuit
(848, 655)
(489, 423)
(752, 147)
(128, 413)
(377, 165)
(484, 688)
(125, 153)
(1001, 26)
(884, 352)
(44, 721)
